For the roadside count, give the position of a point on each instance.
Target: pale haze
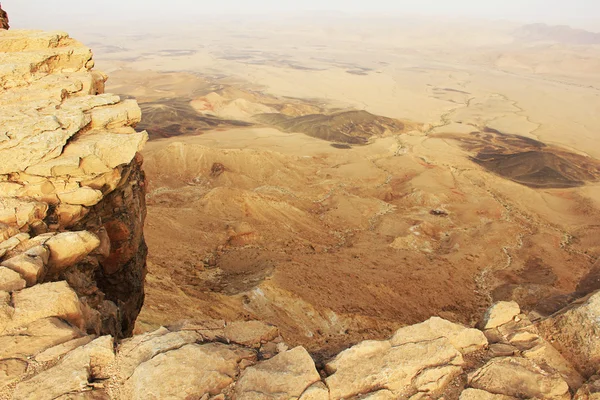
(577, 13)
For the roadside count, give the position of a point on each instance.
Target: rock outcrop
(72, 266)
(3, 19)
(52, 358)
(575, 332)
(72, 208)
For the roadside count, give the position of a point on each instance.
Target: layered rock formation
(72, 253)
(3, 19)
(72, 264)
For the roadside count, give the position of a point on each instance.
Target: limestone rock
(70, 165)
(575, 332)
(209, 330)
(53, 353)
(502, 350)
(500, 313)
(191, 371)
(103, 151)
(12, 242)
(250, 333)
(71, 374)
(69, 150)
(16, 41)
(54, 299)
(83, 196)
(374, 365)
(552, 361)
(11, 370)
(36, 337)
(126, 113)
(433, 381)
(10, 281)
(28, 244)
(20, 213)
(30, 264)
(285, 376)
(144, 347)
(317, 391)
(463, 339)
(68, 248)
(520, 378)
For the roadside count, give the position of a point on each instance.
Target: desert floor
(488, 190)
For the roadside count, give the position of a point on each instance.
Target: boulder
(83, 196)
(464, 339)
(36, 337)
(56, 352)
(54, 299)
(499, 314)
(551, 360)
(317, 391)
(71, 375)
(144, 347)
(31, 265)
(250, 333)
(575, 332)
(287, 375)
(191, 371)
(10, 281)
(68, 248)
(519, 377)
(12, 242)
(407, 368)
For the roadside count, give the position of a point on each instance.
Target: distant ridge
(557, 33)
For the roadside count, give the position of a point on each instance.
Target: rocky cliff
(72, 265)
(72, 196)
(3, 19)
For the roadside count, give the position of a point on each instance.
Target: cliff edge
(72, 266)
(3, 19)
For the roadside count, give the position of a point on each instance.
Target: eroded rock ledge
(72, 192)
(72, 264)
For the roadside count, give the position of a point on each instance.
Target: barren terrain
(343, 178)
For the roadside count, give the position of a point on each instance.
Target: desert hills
(346, 218)
(281, 191)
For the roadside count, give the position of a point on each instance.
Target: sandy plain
(482, 184)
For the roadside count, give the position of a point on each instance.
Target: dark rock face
(3, 19)
(349, 127)
(528, 161)
(120, 275)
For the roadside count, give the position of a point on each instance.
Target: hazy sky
(581, 13)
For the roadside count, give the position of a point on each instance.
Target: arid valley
(299, 205)
(343, 177)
